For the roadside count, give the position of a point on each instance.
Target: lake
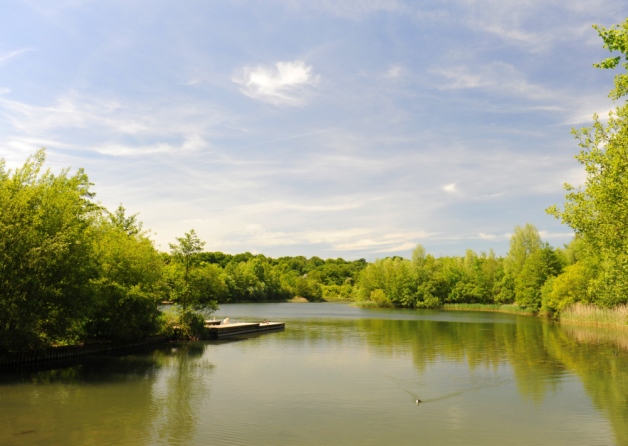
(338, 375)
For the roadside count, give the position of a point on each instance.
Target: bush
(379, 297)
(337, 292)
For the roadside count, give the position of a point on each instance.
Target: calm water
(339, 376)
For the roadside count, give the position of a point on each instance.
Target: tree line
(72, 271)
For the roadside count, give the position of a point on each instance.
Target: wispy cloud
(293, 137)
(499, 76)
(113, 126)
(189, 143)
(350, 9)
(334, 204)
(11, 54)
(532, 24)
(582, 114)
(351, 240)
(284, 83)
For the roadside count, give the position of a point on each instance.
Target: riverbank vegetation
(72, 271)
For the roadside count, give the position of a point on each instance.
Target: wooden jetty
(216, 330)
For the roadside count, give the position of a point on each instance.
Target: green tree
(615, 39)
(538, 267)
(130, 282)
(193, 285)
(254, 281)
(568, 288)
(523, 243)
(129, 224)
(395, 277)
(308, 288)
(46, 255)
(185, 254)
(598, 211)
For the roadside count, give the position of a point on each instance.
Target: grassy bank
(513, 309)
(587, 314)
(577, 314)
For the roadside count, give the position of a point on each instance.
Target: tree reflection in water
(180, 388)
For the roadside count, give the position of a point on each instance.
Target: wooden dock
(222, 331)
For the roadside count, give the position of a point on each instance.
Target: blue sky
(351, 129)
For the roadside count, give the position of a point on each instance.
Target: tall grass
(588, 314)
(514, 309)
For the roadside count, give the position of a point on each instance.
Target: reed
(588, 314)
(514, 309)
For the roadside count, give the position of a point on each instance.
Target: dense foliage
(429, 282)
(47, 261)
(69, 270)
(598, 211)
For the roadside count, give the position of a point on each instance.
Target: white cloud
(583, 115)
(450, 188)
(191, 143)
(383, 242)
(545, 235)
(394, 71)
(284, 83)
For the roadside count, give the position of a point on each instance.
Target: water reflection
(339, 375)
(180, 388)
(540, 354)
(600, 359)
(106, 400)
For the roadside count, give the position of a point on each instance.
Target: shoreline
(581, 315)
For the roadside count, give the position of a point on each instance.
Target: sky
(353, 129)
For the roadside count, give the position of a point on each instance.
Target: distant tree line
(426, 281)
